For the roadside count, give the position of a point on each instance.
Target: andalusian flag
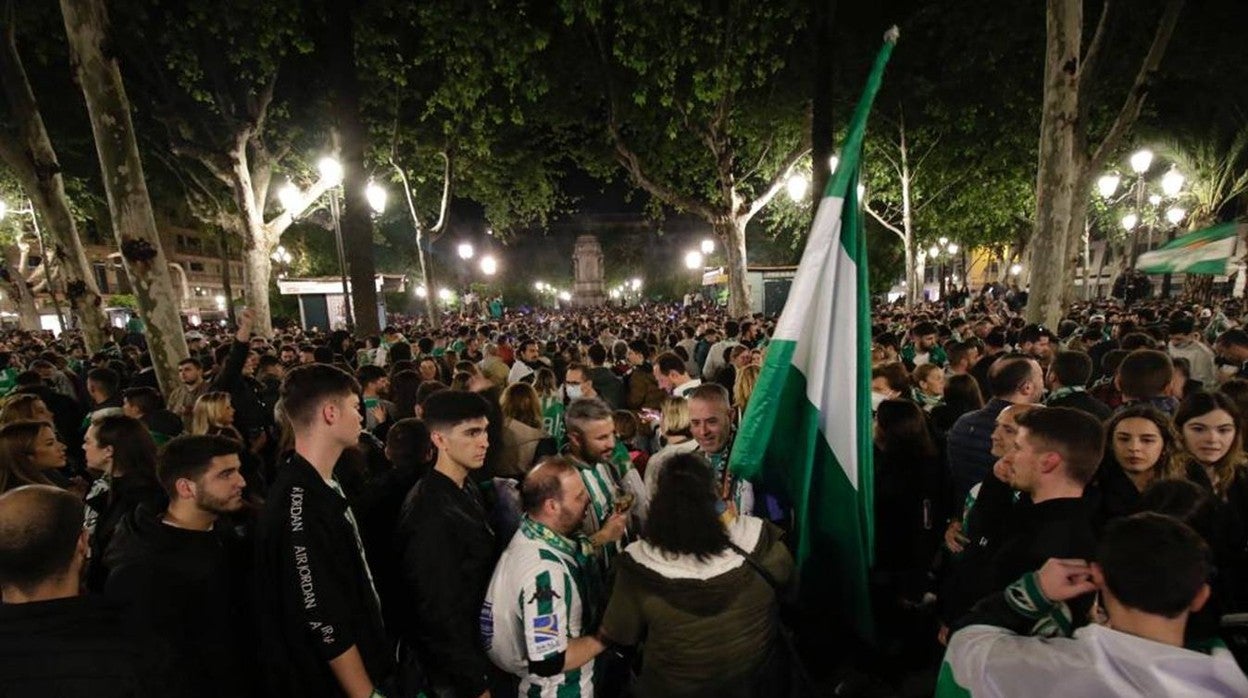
(1208, 251)
(807, 429)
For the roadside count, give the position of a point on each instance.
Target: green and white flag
(1207, 251)
(807, 429)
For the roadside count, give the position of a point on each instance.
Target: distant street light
(489, 265)
(331, 170)
(708, 246)
(1141, 161)
(376, 196)
(1176, 215)
(465, 250)
(797, 186)
(444, 294)
(1108, 184)
(565, 296)
(289, 196)
(539, 285)
(1172, 182)
(421, 292)
(1129, 221)
(636, 283)
(1016, 269)
(693, 260)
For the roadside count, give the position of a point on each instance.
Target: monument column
(589, 289)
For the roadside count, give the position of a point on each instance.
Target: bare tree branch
(782, 174)
(887, 226)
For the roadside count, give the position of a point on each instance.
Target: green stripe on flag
(1206, 251)
(807, 430)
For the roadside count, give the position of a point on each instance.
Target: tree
(1069, 156)
(87, 28)
(27, 151)
(704, 109)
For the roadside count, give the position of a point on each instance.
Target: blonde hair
(521, 403)
(209, 412)
(743, 387)
(675, 419)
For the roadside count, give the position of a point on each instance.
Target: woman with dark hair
(1141, 447)
(1213, 448)
(30, 454)
(123, 449)
(706, 612)
(908, 510)
(961, 396)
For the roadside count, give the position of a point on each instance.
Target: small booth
(322, 304)
(769, 286)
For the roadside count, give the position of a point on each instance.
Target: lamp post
(940, 253)
(1147, 210)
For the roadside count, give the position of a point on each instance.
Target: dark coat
(124, 496)
(1084, 402)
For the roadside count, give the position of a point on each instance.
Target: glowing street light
(797, 186)
(331, 170)
(421, 292)
(489, 265)
(1176, 215)
(1172, 182)
(636, 284)
(1016, 269)
(220, 302)
(952, 247)
(565, 296)
(444, 294)
(289, 196)
(1154, 199)
(933, 251)
(708, 246)
(465, 250)
(376, 196)
(539, 285)
(1108, 184)
(281, 255)
(693, 260)
(1129, 221)
(1141, 161)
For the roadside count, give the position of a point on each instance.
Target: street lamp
(797, 186)
(1016, 269)
(376, 196)
(565, 296)
(1141, 161)
(708, 246)
(636, 283)
(444, 294)
(1129, 221)
(421, 292)
(941, 252)
(465, 250)
(1172, 182)
(1108, 184)
(1175, 215)
(288, 196)
(331, 170)
(693, 260)
(489, 265)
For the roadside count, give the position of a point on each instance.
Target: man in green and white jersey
(545, 598)
(591, 439)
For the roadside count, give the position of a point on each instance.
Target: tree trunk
(98, 75)
(1055, 176)
(357, 226)
(258, 241)
(19, 291)
(1077, 227)
(258, 267)
(35, 165)
(731, 234)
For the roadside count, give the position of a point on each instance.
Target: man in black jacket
(251, 417)
(320, 617)
(181, 576)
(54, 642)
(1056, 452)
(448, 549)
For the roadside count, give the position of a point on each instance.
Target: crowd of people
(539, 503)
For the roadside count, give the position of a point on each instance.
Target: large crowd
(539, 503)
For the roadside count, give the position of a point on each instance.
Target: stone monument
(588, 290)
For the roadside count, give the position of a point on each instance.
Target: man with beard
(527, 362)
(543, 600)
(591, 440)
(182, 397)
(375, 384)
(179, 573)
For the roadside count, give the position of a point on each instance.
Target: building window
(100, 269)
(197, 266)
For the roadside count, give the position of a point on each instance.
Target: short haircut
(1145, 373)
(893, 373)
(711, 392)
(1153, 563)
(1137, 340)
(39, 530)
(669, 362)
(1076, 435)
(583, 411)
(544, 482)
(597, 354)
(107, 379)
(408, 443)
(189, 456)
(1233, 337)
(923, 329)
(1182, 325)
(147, 399)
(323, 355)
(1072, 368)
(192, 361)
(306, 387)
(369, 374)
(447, 408)
(639, 346)
(1008, 374)
(959, 352)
